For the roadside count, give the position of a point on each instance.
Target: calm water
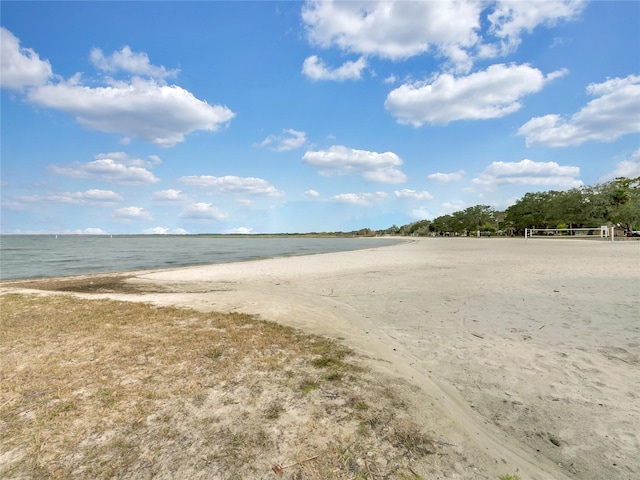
(33, 256)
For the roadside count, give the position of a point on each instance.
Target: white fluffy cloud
(413, 195)
(629, 168)
(315, 69)
(165, 231)
(203, 212)
(446, 177)
(93, 197)
(145, 108)
(528, 172)
(511, 18)
(611, 114)
(135, 63)
(361, 199)
(398, 30)
(115, 167)
(20, 67)
(131, 214)
(491, 93)
(124, 159)
(240, 231)
(290, 139)
(169, 196)
(155, 113)
(393, 30)
(373, 166)
(311, 194)
(234, 185)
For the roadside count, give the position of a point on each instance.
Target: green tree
(622, 198)
(529, 211)
(477, 217)
(617, 201)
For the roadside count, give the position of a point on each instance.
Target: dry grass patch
(104, 389)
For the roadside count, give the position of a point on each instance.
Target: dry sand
(524, 355)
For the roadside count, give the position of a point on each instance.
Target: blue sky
(259, 117)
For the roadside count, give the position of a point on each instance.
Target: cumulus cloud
(202, 212)
(361, 199)
(239, 231)
(124, 159)
(392, 30)
(169, 196)
(452, 30)
(446, 177)
(131, 214)
(126, 60)
(142, 106)
(20, 67)
(116, 167)
(492, 93)
(629, 168)
(290, 139)
(96, 196)
(510, 19)
(155, 113)
(610, 115)
(528, 172)
(413, 195)
(315, 69)
(341, 160)
(311, 194)
(165, 231)
(93, 197)
(234, 185)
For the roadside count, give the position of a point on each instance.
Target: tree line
(616, 202)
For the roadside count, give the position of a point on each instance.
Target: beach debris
(477, 335)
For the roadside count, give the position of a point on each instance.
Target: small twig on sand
(542, 326)
(476, 335)
(369, 470)
(300, 462)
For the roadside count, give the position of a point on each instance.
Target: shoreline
(525, 355)
(162, 259)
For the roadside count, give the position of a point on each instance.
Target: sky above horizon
(282, 117)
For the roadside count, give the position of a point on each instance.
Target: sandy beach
(524, 356)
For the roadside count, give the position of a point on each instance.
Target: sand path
(525, 355)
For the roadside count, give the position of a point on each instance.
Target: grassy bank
(106, 389)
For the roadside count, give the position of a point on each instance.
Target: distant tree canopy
(616, 202)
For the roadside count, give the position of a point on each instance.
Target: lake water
(34, 256)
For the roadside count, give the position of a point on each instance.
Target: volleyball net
(604, 232)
